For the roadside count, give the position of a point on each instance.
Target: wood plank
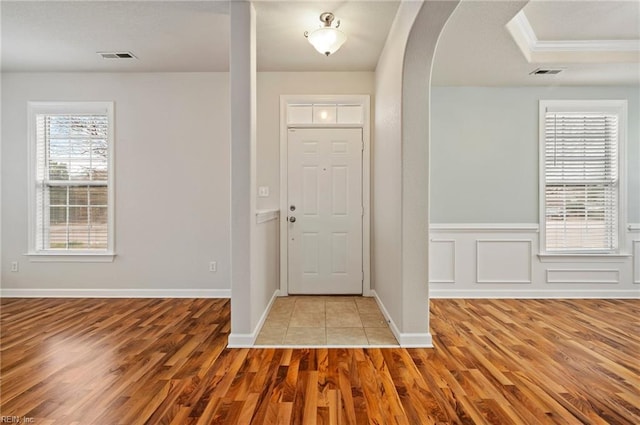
(165, 361)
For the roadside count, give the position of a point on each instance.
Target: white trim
(592, 51)
(294, 347)
(636, 268)
(324, 125)
(530, 263)
(581, 281)
(518, 293)
(483, 227)
(416, 340)
(579, 258)
(79, 107)
(633, 227)
(70, 257)
(453, 262)
(626, 266)
(542, 206)
(263, 216)
(365, 102)
(237, 340)
(266, 311)
(113, 293)
(523, 34)
(387, 316)
(587, 46)
(1, 174)
(615, 106)
(406, 340)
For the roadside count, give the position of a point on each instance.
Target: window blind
(581, 181)
(72, 181)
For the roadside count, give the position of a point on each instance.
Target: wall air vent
(117, 55)
(546, 71)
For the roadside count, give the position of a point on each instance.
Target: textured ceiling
(585, 20)
(474, 49)
(183, 35)
(282, 46)
(164, 35)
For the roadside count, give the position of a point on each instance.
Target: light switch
(263, 191)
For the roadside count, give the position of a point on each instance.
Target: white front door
(325, 211)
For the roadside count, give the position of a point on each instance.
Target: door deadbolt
(292, 207)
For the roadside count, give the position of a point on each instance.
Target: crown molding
(583, 51)
(587, 46)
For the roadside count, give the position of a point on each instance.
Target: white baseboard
(114, 293)
(503, 260)
(534, 293)
(387, 316)
(416, 340)
(406, 340)
(237, 340)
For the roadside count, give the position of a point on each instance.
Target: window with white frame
(71, 189)
(582, 176)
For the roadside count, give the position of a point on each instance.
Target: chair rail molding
(501, 260)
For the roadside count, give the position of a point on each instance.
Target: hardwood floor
(158, 361)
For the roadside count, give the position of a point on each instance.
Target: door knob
(292, 219)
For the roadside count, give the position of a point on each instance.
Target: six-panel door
(325, 211)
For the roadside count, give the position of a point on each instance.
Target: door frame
(351, 100)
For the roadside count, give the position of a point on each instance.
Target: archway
(401, 169)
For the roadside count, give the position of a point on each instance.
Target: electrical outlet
(213, 266)
(14, 266)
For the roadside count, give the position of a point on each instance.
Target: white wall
(273, 84)
(401, 168)
(171, 182)
(266, 264)
(179, 124)
(484, 198)
(386, 241)
(484, 151)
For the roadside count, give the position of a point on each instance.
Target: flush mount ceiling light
(327, 39)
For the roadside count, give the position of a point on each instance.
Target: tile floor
(325, 321)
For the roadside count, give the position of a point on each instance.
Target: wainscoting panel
(503, 260)
(442, 261)
(636, 261)
(500, 260)
(583, 276)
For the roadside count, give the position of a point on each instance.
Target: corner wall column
(416, 86)
(242, 76)
(400, 230)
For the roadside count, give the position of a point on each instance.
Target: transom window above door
(325, 114)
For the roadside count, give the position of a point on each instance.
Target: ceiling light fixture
(327, 39)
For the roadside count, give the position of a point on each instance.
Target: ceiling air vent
(546, 71)
(117, 55)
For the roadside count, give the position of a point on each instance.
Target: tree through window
(581, 178)
(72, 176)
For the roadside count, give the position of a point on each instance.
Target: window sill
(583, 258)
(71, 257)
